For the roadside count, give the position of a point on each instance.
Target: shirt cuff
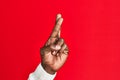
(41, 74)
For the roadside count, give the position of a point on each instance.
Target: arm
(53, 55)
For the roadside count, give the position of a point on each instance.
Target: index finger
(57, 18)
(56, 29)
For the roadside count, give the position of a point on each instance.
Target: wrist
(48, 69)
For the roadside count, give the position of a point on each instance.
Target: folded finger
(60, 42)
(63, 48)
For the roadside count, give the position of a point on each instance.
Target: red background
(91, 28)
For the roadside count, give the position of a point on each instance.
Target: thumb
(55, 47)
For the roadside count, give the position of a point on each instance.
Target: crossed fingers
(55, 42)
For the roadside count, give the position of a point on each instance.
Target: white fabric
(41, 74)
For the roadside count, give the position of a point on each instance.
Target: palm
(54, 61)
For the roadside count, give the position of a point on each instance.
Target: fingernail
(57, 54)
(66, 53)
(54, 53)
(57, 47)
(61, 20)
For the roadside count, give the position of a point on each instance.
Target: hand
(55, 52)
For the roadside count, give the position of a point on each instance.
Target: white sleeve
(41, 74)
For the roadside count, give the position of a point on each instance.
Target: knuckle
(42, 50)
(67, 48)
(58, 24)
(61, 39)
(65, 45)
(55, 30)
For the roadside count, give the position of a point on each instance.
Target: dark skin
(55, 51)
